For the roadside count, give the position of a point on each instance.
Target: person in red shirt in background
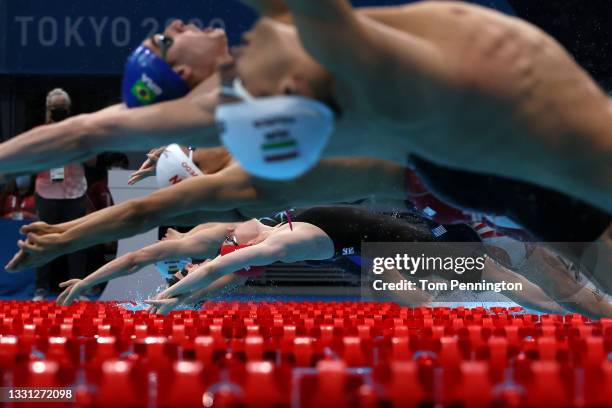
(60, 197)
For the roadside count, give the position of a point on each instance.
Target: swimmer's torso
(498, 77)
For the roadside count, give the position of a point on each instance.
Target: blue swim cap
(148, 79)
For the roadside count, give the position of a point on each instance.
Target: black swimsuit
(548, 215)
(349, 226)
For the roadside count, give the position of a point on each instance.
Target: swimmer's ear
(185, 72)
(295, 85)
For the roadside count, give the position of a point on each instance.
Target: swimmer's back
(539, 104)
(514, 59)
(349, 226)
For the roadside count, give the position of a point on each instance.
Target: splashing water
(138, 304)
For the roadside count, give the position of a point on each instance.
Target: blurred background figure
(17, 207)
(17, 200)
(98, 198)
(60, 197)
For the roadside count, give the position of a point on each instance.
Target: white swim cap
(279, 137)
(168, 268)
(173, 166)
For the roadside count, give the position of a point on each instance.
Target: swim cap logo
(188, 169)
(146, 90)
(279, 146)
(348, 251)
(175, 180)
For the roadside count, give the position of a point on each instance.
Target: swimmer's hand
(73, 289)
(41, 228)
(14, 264)
(163, 303)
(170, 298)
(36, 250)
(163, 306)
(147, 169)
(22, 259)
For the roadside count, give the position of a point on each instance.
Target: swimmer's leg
(601, 252)
(530, 297)
(547, 270)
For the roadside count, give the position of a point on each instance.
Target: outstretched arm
(302, 243)
(270, 8)
(219, 192)
(217, 289)
(213, 197)
(204, 244)
(185, 220)
(189, 120)
(211, 274)
(364, 56)
(329, 29)
(351, 43)
(261, 254)
(207, 193)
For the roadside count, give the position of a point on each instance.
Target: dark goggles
(164, 42)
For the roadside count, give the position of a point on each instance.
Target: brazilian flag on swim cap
(143, 93)
(148, 79)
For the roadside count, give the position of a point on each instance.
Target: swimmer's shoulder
(300, 227)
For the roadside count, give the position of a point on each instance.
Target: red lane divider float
(306, 354)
